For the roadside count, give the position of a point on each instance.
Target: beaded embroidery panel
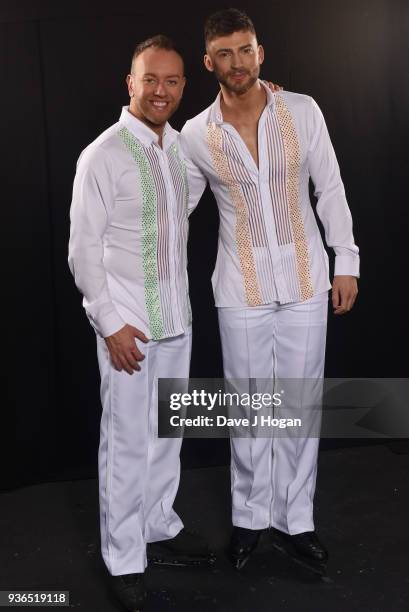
(292, 153)
(243, 238)
(150, 237)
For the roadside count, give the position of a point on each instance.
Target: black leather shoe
(186, 548)
(242, 544)
(306, 545)
(130, 590)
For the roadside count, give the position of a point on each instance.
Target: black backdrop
(63, 67)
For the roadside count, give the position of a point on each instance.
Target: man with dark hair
(226, 22)
(257, 150)
(127, 254)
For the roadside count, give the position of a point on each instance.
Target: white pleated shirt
(270, 248)
(129, 228)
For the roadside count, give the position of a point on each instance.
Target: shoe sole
(157, 560)
(317, 568)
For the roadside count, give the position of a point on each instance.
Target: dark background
(62, 68)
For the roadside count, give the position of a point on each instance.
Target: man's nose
(160, 90)
(236, 61)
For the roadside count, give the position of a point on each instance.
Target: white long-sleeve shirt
(129, 228)
(270, 248)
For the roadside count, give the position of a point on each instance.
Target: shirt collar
(216, 114)
(143, 133)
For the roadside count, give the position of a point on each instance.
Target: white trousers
(138, 472)
(273, 479)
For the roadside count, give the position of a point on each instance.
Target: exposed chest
(248, 131)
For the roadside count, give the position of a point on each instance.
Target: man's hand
(344, 292)
(272, 86)
(123, 350)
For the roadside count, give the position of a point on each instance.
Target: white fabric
(109, 230)
(127, 253)
(273, 479)
(266, 194)
(138, 472)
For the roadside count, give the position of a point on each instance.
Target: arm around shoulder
(196, 179)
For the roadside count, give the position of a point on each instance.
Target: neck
(158, 129)
(250, 102)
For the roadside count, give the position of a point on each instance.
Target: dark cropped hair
(226, 22)
(160, 41)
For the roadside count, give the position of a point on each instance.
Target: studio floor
(50, 541)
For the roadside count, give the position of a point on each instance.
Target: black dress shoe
(243, 542)
(186, 548)
(130, 590)
(306, 545)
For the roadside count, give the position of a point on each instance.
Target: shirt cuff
(109, 324)
(346, 265)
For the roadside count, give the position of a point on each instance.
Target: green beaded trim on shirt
(149, 234)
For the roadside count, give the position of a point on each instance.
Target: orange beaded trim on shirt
(292, 151)
(214, 141)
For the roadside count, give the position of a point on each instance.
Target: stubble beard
(238, 88)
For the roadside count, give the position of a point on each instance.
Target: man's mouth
(238, 75)
(159, 105)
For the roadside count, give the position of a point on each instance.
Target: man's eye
(249, 50)
(150, 81)
(172, 83)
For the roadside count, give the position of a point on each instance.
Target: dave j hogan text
(223, 421)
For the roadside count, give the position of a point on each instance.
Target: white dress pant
(138, 472)
(273, 479)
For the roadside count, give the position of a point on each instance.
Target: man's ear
(261, 54)
(129, 83)
(208, 63)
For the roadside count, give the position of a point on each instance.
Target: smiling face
(155, 86)
(235, 60)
